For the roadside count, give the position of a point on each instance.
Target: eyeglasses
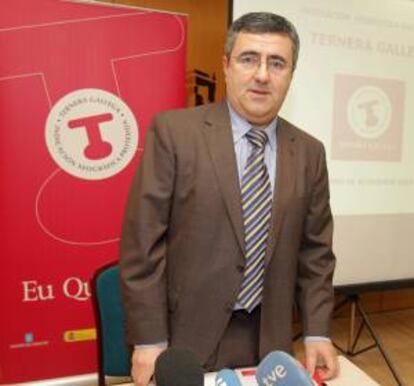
(252, 61)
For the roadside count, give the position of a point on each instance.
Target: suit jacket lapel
(219, 139)
(285, 181)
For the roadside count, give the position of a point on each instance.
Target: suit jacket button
(229, 307)
(240, 267)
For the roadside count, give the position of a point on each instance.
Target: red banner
(79, 84)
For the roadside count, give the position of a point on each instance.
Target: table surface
(350, 375)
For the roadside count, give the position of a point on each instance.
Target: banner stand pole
(358, 310)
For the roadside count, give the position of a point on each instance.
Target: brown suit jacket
(182, 244)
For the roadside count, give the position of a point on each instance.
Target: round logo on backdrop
(91, 134)
(369, 112)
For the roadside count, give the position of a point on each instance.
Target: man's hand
(143, 363)
(321, 356)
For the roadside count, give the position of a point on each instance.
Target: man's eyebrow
(251, 52)
(274, 56)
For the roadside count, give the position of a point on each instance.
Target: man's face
(258, 74)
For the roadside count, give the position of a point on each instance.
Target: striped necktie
(256, 194)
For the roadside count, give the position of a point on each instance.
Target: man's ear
(226, 63)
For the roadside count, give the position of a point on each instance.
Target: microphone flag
(280, 369)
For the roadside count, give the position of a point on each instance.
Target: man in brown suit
(184, 242)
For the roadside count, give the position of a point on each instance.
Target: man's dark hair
(260, 23)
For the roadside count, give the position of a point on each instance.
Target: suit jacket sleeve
(316, 260)
(143, 241)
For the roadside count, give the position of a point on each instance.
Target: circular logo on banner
(91, 134)
(369, 112)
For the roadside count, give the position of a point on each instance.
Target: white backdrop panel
(353, 89)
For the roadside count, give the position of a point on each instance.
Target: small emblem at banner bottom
(79, 335)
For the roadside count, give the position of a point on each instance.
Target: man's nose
(262, 73)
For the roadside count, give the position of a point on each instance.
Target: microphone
(178, 367)
(227, 377)
(280, 369)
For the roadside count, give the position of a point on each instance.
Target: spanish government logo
(91, 134)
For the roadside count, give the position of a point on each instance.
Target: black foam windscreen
(178, 367)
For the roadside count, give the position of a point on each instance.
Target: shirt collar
(241, 126)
